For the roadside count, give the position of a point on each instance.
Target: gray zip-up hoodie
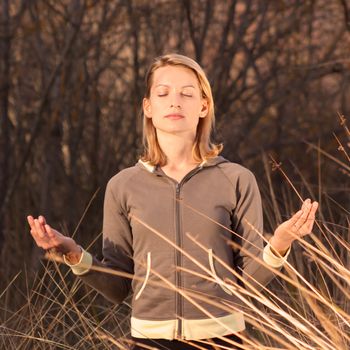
(174, 238)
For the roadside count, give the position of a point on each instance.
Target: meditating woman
(182, 228)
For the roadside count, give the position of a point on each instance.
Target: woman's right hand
(48, 238)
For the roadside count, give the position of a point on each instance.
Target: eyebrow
(185, 86)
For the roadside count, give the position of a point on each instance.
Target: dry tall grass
(306, 307)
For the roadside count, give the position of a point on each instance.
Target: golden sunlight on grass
(306, 307)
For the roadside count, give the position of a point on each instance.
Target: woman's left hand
(299, 225)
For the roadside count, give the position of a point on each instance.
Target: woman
(169, 220)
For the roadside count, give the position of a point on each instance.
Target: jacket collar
(206, 163)
(151, 168)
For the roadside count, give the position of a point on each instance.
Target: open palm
(299, 225)
(48, 238)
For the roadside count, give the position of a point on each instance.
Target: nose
(175, 100)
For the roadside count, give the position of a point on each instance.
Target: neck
(177, 148)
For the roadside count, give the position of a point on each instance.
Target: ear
(146, 105)
(205, 108)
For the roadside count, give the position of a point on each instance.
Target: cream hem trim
(191, 329)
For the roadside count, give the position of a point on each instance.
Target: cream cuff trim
(84, 264)
(272, 259)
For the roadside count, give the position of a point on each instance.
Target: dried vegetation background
(71, 85)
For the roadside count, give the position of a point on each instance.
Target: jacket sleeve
(117, 251)
(247, 223)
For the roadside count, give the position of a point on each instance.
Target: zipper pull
(177, 190)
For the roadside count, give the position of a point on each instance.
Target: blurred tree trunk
(5, 145)
(72, 85)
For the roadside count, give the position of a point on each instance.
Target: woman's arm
(117, 251)
(48, 238)
(113, 287)
(248, 224)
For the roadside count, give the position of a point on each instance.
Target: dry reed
(306, 307)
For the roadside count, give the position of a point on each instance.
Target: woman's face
(175, 104)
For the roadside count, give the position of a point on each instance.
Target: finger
(305, 204)
(39, 229)
(311, 210)
(54, 235)
(33, 229)
(51, 232)
(311, 217)
(42, 220)
(303, 217)
(35, 236)
(30, 220)
(38, 241)
(299, 213)
(42, 223)
(292, 221)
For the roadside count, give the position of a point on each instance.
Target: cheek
(159, 107)
(194, 107)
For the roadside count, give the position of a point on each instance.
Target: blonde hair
(203, 148)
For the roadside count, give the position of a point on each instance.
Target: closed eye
(183, 94)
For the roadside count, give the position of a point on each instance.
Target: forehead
(174, 76)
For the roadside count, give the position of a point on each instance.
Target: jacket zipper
(178, 263)
(178, 256)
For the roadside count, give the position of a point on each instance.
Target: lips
(174, 116)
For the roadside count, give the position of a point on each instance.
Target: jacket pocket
(148, 271)
(218, 280)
